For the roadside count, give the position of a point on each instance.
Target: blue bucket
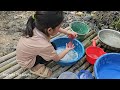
(108, 66)
(74, 55)
(68, 75)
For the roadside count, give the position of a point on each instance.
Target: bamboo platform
(9, 68)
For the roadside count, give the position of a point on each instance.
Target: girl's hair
(42, 21)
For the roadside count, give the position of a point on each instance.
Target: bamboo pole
(88, 39)
(8, 56)
(89, 34)
(32, 77)
(93, 73)
(15, 74)
(84, 66)
(54, 68)
(77, 65)
(23, 75)
(53, 64)
(58, 72)
(90, 68)
(9, 71)
(7, 66)
(7, 62)
(62, 69)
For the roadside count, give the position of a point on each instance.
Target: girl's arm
(62, 54)
(69, 47)
(67, 32)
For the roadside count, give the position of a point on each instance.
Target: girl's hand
(74, 34)
(96, 38)
(70, 46)
(68, 32)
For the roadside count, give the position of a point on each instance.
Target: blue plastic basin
(68, 75)
(108, 66)
(60, 43)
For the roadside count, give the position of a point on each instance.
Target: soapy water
(69, 56)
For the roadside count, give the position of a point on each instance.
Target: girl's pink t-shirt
(29, 48)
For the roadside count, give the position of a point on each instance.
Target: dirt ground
(12, 22)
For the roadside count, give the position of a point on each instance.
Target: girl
(34, 49)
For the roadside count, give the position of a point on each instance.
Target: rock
(53, 78)
(73, 12)
(93, 15)
(104, 27)
(1, 54)
(87, 18)
(79, 13)
(93, 12)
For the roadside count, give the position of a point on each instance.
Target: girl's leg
(40, 63)
(39, 67)
(40, 60)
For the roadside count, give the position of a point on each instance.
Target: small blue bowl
(85, 74)
(108, 66)
(68, 75)
(60, 42)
